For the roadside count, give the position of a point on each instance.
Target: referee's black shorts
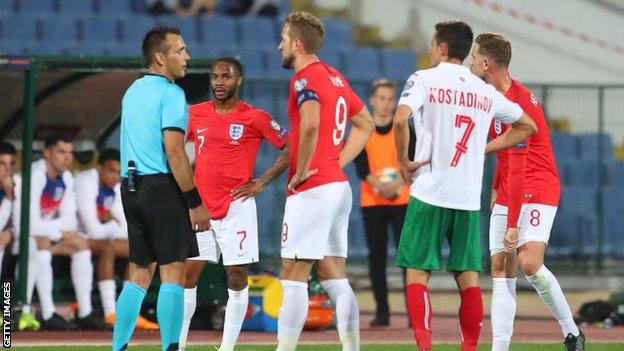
(159, 228)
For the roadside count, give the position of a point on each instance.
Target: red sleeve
(496, 181)
(516, 174)
(270, 130)
(190, 134)
(355, 105)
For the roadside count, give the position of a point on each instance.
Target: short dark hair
(382, 83)
(231, 60)
(155, 41)
(496, 47)
(108, 155)
(458, 37)
(308, 28)
(7, 148)
(53, 139)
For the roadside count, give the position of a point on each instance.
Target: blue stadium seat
(586, 243)
(578, 200)
(186, 25)
(615, 173)
(333, 58)
(564, 146)
(113, 7)
(85, 49)
(614, 236)
(12, 47)
(19, 28)
(564, 230)
(253, 62)
(363, 63)
(398, 64)
(581, 173)
(59, 29)
(357, 235)
(7, 7)
(257, 33)
(265, 102)
(134, 28)
(204, 50)
(37, 7)
(77, 7)
(124, 49)
(588, 146)
(274, 66)
(218, 31)
(338, 34)
(613, 200)
(100, 30)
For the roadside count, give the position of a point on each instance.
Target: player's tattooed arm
(255, 186)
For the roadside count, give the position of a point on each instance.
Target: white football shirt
(456, 108)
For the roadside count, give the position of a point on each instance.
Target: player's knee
(237, 278)
(530, 268)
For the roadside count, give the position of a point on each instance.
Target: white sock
(550, 292)
(234, 315)
(44, 282)
(503, 312)
(347, 312)
(82, 277)
(108, 290)
(292, 314)
(190, 302)
(30, 278)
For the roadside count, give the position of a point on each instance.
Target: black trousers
(377, 219)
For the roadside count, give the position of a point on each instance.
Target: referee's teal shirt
(150, 105)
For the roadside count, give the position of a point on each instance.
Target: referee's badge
(236, 131)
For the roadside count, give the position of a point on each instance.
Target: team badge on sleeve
(236, 131)
(498, 127)
(408, 85)
(300, 84)
(275, 125)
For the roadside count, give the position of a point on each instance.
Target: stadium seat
(253, 61)
(133, 28)
(186, 25)
(59, 29)
(613, 200)
(614, 236)
(257, 33)
(578, 200)
(398, 64)
(338, 34)
(333, 58)
(614, 171)
(218, 31)
(85, 49)
(581, 173)
(564, 230)
(36, 7)
(19, 28)
(264, 102)
(76, 7)
(124, 50)
(363, 63)
(203, 50)
(44, 48)
(588, 146)
(101, 30)
(564, 146)
(7, 7)
(12, 47)
(586, 243)
(274, 66)
(113, 7)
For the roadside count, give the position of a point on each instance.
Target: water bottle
(131, 176)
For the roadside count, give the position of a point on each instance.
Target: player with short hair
(160, 201)
(53, 224)
(525, 196)
(102, 221)
(452, 111)
(7, 165)
(316, 214)
(228, 132)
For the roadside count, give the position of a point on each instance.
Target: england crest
(236, 131)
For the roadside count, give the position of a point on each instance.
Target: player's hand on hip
(299, 178)
(200, 218)
(408, 169)
(511, 239)
(247, 190)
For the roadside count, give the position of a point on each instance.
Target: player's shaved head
(156, 41)
(496, 47)
(457, 35)
(308, 29)
(231, 61)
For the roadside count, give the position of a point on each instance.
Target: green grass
(368, 347)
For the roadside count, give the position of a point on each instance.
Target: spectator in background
(384, 195)
(102, 221)
(53, 224)
(7, 164)
(196, 7)
(253, 7)
(162, 7)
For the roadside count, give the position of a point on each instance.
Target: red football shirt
(527, 172)
(338, 103)
(226, 146)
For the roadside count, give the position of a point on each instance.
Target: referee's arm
(181, 170)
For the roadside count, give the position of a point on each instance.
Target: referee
(161, 204)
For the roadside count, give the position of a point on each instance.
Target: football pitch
(365, 347)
